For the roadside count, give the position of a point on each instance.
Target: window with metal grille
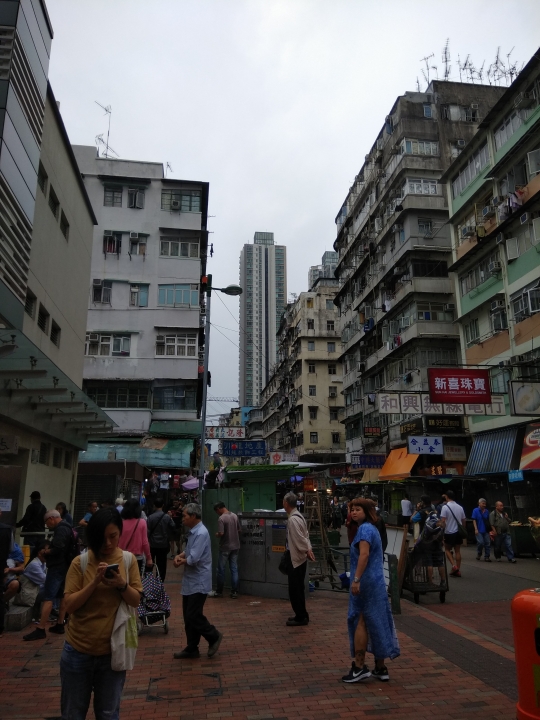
(311, 345)
(331, 347)
(57, 457)
(54, 203)
(126, 394)
(112, 243)
(68, 460)
(30, 304)
(44, 450)
(137, 247)
(311, 367)
(330, 325)
(98, 344)
(177, 397)
(333, 413)
(102, 291)
(43, 319)
(332, 369)
(182, 200)
(42, 179)
(312, 413)
(312, 390)
(314, 438)
(332, 392)
(113, 197)
(64, 225)
(311, 324)
(55, 333)
(180, 344)
(177, 295)
(335, 439)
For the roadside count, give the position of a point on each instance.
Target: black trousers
(159, 556)
(195, 623)
(297, 594)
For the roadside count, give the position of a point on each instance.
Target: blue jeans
(504, 542)
(80, 674)
(230, 556)
(483, 542)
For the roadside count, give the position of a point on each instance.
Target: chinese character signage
(411, 404)
(524, 397)
(365, 462)
(420, 445)
(530, 454)
(372, 431)
(244, 448)
(455, 452)
(444, 424)
(515, 475)
(222, 432)
(412, 426)
(421, 404)
(459, 385)
(389, 403)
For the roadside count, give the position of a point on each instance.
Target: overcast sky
(274, 102)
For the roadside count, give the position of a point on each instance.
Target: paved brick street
(264, 670)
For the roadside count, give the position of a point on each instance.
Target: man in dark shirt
(57, 566)
(33, 519)
(229, 532)
(6, 543)
(161, 528)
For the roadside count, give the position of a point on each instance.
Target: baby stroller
(155, 605)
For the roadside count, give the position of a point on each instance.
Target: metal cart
(417, 576)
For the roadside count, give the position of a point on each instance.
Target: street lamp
(229, 290)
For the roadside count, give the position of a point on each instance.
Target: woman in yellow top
(92, 601)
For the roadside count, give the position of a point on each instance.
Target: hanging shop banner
(223, 432)
(421, 445)
(455, 452)
(412, 426)
(530, 453)
(524, 397)
(421, 404)
(515, 475)
(459, 385)
(244, 448)
(444, 424)
(372, 431)
(365, 462)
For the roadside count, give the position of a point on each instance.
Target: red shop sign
(459, 385)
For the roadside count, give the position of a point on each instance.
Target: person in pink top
(134, 535)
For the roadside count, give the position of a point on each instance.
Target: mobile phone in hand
(111, 570)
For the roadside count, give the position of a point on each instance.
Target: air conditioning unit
(497, 305)
(500, 238)
(449, 307)
(494, 267)
(399, 271)
(524, 99)
(521, 358)
(496, 200)
(160, 339)
(97, 283)
(524, 218)
(474, 106)
(468, 231)
(133, 236)
(179, 393)
(461, 143)
(93, 337)
(488, 211)
(175, 204)
(108, 234)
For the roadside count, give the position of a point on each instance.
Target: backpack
(73, 547)
(431, 532)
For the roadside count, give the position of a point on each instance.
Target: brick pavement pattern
(262, 670)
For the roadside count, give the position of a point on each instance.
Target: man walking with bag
(299, 547)
(453, 522)
(160, 529)
(196, 584)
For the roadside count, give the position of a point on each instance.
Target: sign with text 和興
(459, 385)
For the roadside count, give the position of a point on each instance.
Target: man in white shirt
(407, 510)
(452, 514)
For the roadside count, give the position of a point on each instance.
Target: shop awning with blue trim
(176, 428)
(492, 452)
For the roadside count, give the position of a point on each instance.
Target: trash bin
(262, 543)
(526, 626)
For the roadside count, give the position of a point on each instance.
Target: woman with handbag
(99, 585)
(134, 535)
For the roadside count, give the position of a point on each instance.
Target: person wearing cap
(33, 520)
(57, 560)
(482, 526)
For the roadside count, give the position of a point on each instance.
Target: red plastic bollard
(526, 626)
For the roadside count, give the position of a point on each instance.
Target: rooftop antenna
(99, 138)
(446, 59)
(168, 166)
(426, 73)
(417, 84)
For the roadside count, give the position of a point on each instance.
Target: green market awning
(176, 428)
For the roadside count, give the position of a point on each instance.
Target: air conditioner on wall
(160, 339)
(494, 267)
(108, 234)
(497, 305)
(461, 143)
(175, 204)
(133, 236)
(488, 211)
(449, 307)
(97, 283)
(93, 337)
(468, 231)
(474, 106)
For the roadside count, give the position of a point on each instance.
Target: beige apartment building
(302, 404)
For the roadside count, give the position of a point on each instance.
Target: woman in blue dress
(370, 622)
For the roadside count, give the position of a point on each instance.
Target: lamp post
(229, 290)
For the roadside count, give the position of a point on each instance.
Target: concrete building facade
(395, 298)
(494, 200)
(145, 332)
(326, 269)
(263, 277)
(302, 404)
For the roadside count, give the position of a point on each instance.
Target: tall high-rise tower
(263, 276)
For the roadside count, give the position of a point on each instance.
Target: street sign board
(244, 448)
(420, 445)
(224, 432)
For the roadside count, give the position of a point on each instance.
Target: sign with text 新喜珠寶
(459, 385)
(421, 445)
(244, 448)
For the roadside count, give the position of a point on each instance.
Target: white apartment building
(144, 337)
(263, 277)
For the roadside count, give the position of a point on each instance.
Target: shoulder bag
(461, 530)
(124, 638)
(285, 564)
